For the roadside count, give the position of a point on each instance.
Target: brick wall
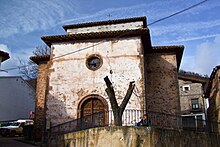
(186, 97)
(41, 91)
(214, 98)
(162, 94)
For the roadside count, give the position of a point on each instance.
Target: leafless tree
(29, 69)
(41, 50)
(118, 110)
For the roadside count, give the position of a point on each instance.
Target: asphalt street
(12, 142)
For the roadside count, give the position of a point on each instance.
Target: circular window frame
(90, 58)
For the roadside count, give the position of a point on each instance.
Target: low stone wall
(134, 137)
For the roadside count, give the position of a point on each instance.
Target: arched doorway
(93, 111)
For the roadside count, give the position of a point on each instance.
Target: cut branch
(111, 93)
(118, 111)
(127, 97)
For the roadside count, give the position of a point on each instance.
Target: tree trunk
(118, 110)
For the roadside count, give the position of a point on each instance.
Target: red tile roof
(38, 59)
(4, 55)
(94, 35)
(118, 21)
(142, 32)
(212, 77)
(178, 50)
(193, 78)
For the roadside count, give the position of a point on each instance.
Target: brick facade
(41, 91)
(161, 83)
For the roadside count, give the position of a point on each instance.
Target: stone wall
(134, 137)
(162, 93)
(195, 91)
(214, 98)
(41, 91)
(71, 81)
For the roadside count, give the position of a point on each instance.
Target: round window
(94, 62)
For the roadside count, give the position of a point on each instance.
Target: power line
(176, 13)
(159, 20)
(78, 50)
(13, 68)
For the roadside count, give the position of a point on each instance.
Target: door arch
(93, 111)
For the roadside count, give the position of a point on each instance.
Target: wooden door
(93, 113)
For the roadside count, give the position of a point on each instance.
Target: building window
(195, 103)
(94, 62)
(186, 88)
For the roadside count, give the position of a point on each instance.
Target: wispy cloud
(27, 16)
(205, 58)
(13, 61)
(40, 15)
(184, 28)
(4, 48)
(182, 32)
(22, 17)
(181, 40)
(152, 10)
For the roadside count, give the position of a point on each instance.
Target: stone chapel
(71, 85)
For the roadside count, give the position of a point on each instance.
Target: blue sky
(23, 22)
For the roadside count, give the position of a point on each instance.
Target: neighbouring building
(3, 56)
(213, 94)
(193, 104)
(71, 85)
(17, 98)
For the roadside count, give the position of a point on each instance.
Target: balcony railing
(130, 117)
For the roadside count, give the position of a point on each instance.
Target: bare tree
(29, 69)
(118, 110)
(41, 50)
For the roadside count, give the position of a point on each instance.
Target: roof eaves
(39, 59)
(93, 35)
(202, 80)
(177, 49)
(212, 76)
(116, 21)
(4, 55)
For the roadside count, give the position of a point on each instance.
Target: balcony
(196, 107)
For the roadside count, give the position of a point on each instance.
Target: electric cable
(100, 42)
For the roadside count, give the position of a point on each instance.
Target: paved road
(11, 142)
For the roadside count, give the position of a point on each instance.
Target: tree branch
(118, 111)
(111, 94)
(127, 97)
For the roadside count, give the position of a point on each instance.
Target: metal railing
(163, 120)
(200, 125)
(159, 120)
(86, 122)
